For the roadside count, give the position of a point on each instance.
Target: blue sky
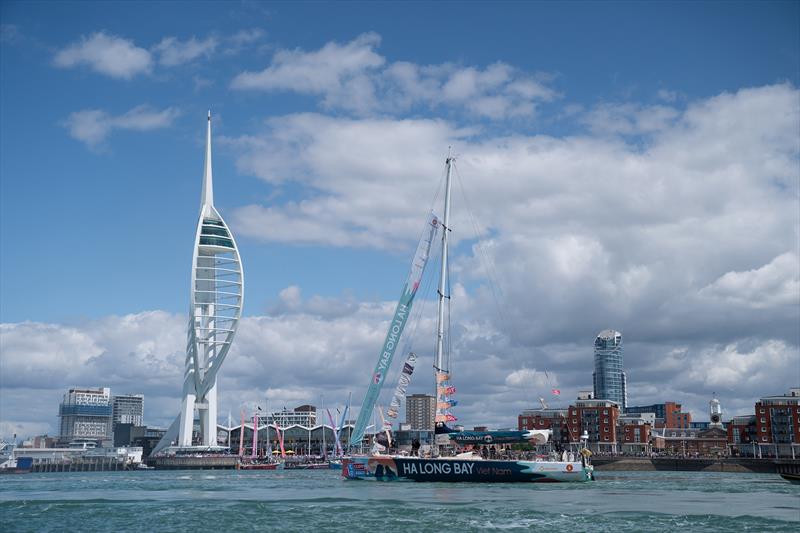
(321, 113)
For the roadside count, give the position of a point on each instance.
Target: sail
(395, 328)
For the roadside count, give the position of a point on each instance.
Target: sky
(633, 166)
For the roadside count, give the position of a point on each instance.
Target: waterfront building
(552, 419)
(420, 411)
(778, 423)
(742, 435)
(609, 377)
(598, 419)
(85, 414)
(216, 298)
(304, 415)
(635, 437)
(668, 414)
(687, 442)
(127, 409)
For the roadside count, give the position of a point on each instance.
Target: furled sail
(395, 328)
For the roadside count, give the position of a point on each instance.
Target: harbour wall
(680, 464)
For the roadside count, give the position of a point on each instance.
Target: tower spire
(207, 196)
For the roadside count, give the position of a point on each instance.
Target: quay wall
(679, 464)
(226, 462)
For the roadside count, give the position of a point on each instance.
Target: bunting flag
(396, 327)
(402, 385)
(450, 418)
(441, 377)
(556, 392)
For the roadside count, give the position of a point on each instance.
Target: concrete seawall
(765, 466)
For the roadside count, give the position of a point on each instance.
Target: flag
(556, 392)
(441, 377)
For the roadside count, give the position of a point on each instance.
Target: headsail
(395, 329)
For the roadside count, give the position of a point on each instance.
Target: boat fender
(569, 468)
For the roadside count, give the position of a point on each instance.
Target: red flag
(556, 392)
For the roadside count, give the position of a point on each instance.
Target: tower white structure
(715, 413)
(217, 295)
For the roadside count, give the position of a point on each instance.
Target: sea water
(322, 501)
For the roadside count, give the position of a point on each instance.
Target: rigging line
(491, 274)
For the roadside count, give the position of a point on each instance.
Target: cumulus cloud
(93, 126)
(353, 77)
(107, 54)
(172, 51)
(775, 284)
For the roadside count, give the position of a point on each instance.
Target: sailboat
(464, 467)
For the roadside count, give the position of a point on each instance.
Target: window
(764, 439)
(763, 420)
(605, 421)
(574, 421)
(605, 438)
(761, 411)
(605, 411)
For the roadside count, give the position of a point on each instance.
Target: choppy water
(321, 500)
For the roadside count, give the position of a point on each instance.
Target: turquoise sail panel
(395, 329)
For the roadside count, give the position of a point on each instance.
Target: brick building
(668, 414)
(777, 423)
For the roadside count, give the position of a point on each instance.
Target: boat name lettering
(391, 339)
(457, 467)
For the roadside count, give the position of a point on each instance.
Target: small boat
(792, 478)
(258, 466)
(296, 465)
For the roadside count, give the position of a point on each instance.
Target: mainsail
(395, 329)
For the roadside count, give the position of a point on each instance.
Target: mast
(439, 362)
(324, 444)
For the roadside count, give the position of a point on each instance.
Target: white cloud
(335, 71)
(353, 77)
(775, 284)
(630, 119)
(275, 357)
(173, 52)
(107, 54)
(585, 230)
(93, 126)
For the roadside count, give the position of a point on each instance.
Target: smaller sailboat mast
(441, 372)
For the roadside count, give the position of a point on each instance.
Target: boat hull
(387, 468)
(306, 466)
(259, 466)
(792, 478)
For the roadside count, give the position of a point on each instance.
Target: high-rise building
(216, 297)
(420, 411)
(609, 378)
(85, 414)
(128, 409)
